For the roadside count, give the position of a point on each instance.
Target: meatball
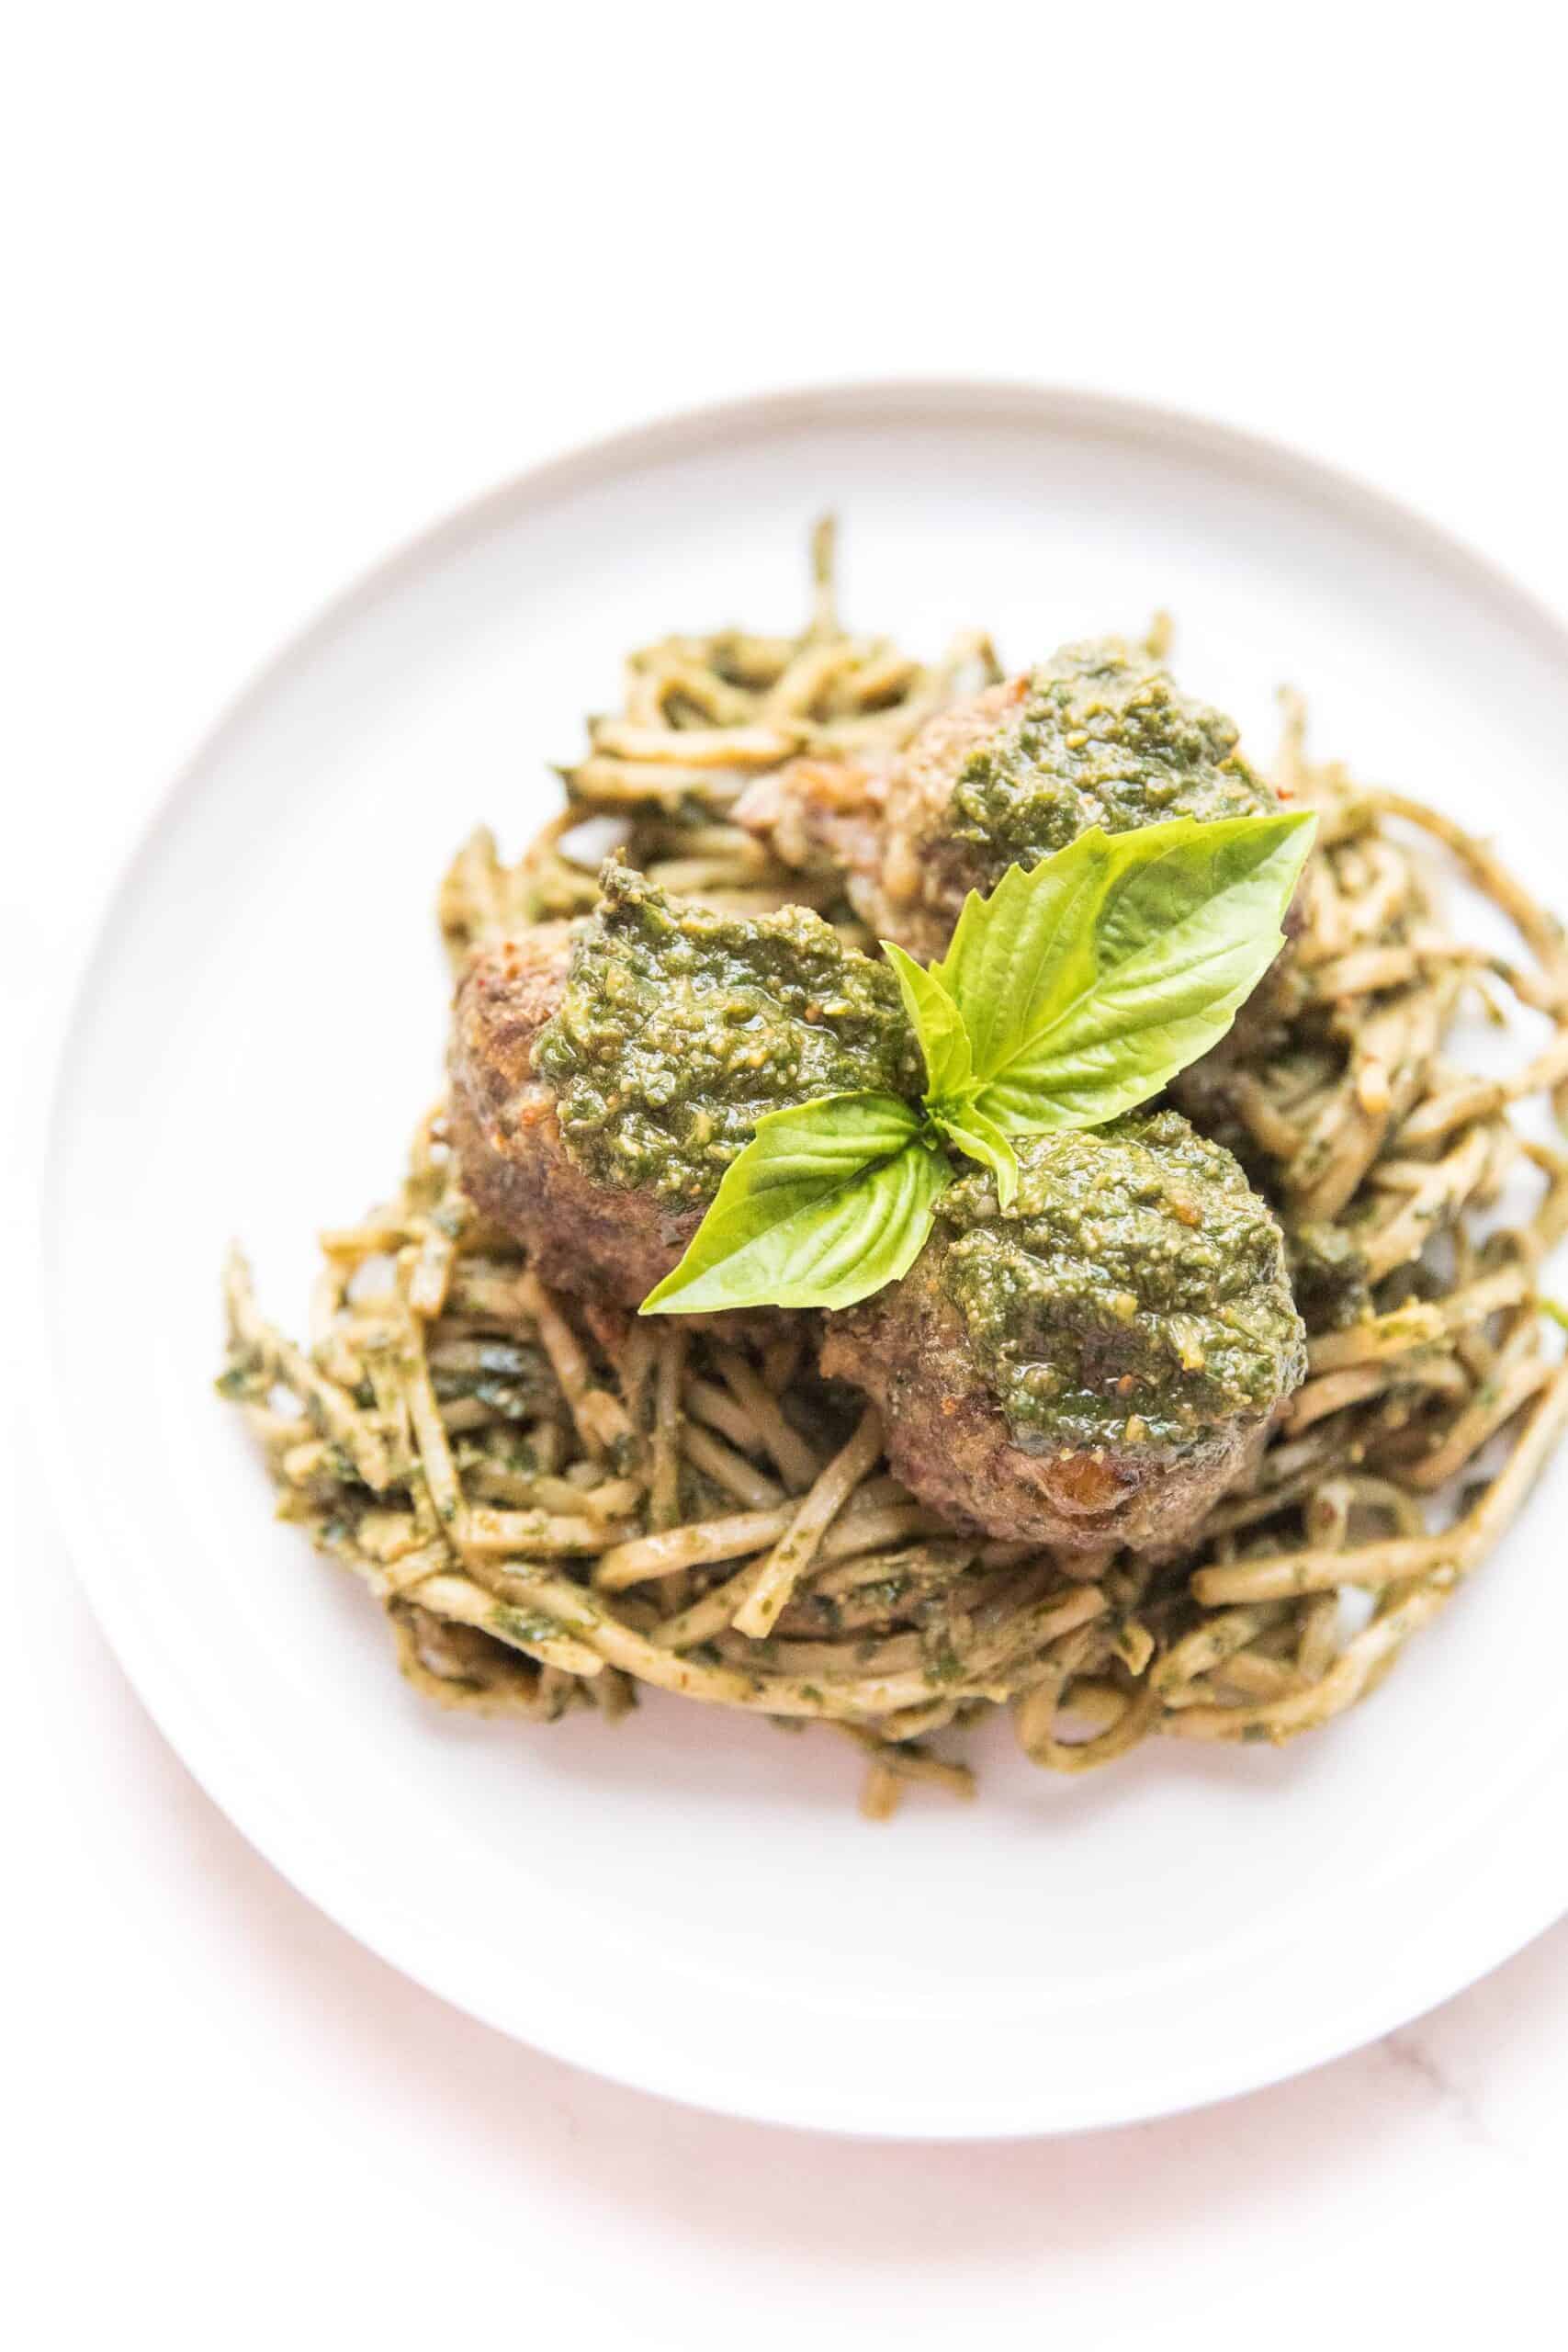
(604, 1076)
(1099, 735)
(824, 816)
(1097, 1366)
(515, 1166)
(851, 817)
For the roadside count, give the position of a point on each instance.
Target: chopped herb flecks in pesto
(1103, 737)
(1136, 1295)
(1329, 1275)
(681, 1027)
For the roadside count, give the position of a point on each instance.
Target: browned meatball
(1098, 735)
(824, 816)
(866, 820)
(612, 1245)
(1101, 1363)
(927, 868)
(604, 1076)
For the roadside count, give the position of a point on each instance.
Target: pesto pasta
(558, 1503)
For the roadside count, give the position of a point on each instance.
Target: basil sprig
(1074, 992)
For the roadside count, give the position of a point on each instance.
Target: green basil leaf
(1011, 951)
(830, 1201)
(1088, 983)
(969, 1131)
(938, 1024)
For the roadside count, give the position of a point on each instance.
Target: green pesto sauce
(1136, 1295)
(523, 1624)
(514, 1379)
(1101, 737)
(1328, 1275)
(681, 1027)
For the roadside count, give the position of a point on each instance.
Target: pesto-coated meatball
(1098, 735)
(605, 1075)
(613, 1246)
(1098, 1365)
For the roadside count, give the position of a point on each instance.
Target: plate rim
(275, 1832)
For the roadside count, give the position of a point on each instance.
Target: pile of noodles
(556, 1503)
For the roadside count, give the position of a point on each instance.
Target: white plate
(690, 1902)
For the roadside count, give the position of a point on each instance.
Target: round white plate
(689, 1901)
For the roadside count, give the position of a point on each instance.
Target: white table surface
(292, 282)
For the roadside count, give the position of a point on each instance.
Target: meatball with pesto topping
(514, 1163)
(1098, 735)
(1098, 1365)
(605, 1075)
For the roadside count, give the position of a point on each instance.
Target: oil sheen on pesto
(1138, 1293)
(1103, 737)
(681, 1027)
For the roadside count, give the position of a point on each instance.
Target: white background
(284, 284)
